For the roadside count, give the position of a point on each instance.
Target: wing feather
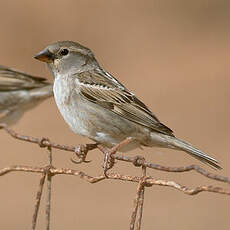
(120, 101)
(14, 80)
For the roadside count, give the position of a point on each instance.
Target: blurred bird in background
(20, 92)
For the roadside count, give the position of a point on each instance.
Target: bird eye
(64, 52)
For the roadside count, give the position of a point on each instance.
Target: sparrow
(20, 92)
(96, 105)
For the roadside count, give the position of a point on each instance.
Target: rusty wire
(111, 155)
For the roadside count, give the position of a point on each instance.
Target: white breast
(69, 104)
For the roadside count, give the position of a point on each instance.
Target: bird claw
(81, 153)
(79, 161)
(108, 163)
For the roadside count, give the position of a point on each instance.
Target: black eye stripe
(64, 52)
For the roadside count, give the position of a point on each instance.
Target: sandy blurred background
(175, 56)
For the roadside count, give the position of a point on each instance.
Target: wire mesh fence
(110, 157)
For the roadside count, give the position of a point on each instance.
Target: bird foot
(81, 152)
(109, 162)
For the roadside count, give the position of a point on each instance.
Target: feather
(98, 88)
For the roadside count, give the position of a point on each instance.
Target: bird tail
(194, 152)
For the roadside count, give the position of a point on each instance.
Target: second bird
(20, 92)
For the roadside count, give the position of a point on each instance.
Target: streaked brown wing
(14, 80)
(122, 103)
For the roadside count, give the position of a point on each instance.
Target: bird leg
(109, 161)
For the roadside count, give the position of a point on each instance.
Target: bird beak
(45, 56)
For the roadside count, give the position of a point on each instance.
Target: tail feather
(194, 152)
